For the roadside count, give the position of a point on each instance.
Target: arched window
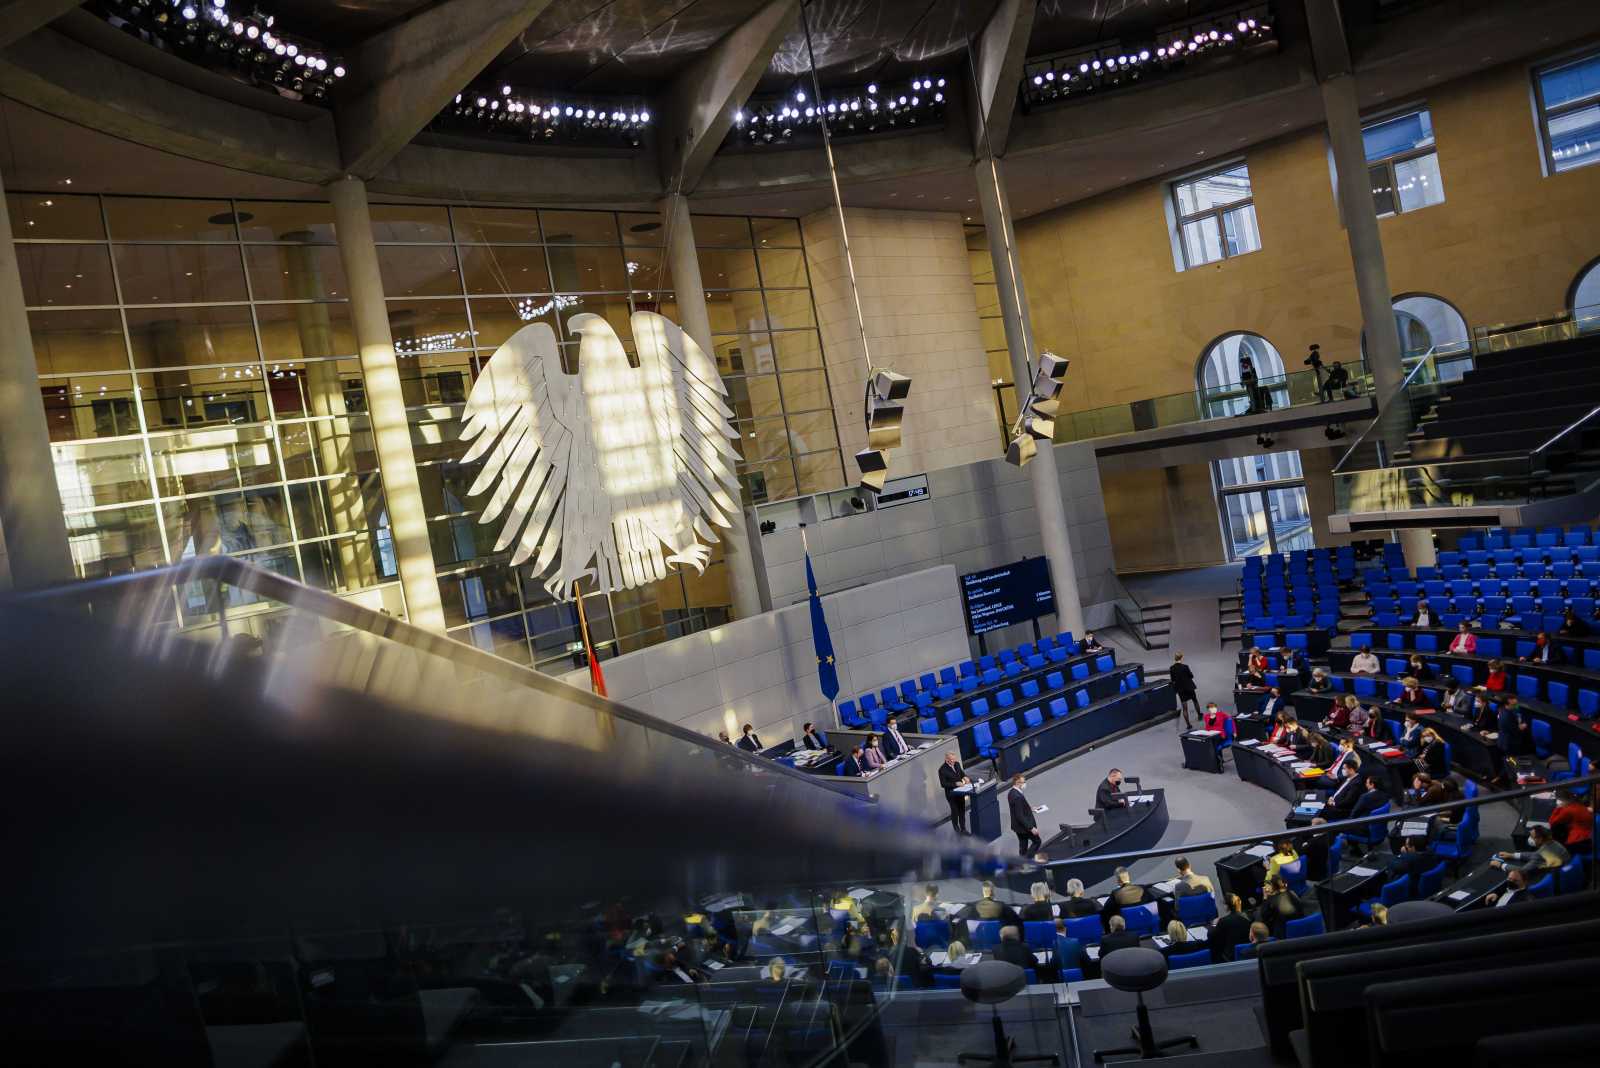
(1220, 376)
(1585, 299)
(1261, 498)
(1431, 325)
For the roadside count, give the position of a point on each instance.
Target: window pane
(198, 397)
(297, 331)
(783, 268)
(726, 231)
(1392, 137)
(505, 269)
(295, 272)
(797, 348)
(646, 272)
(494, 319)
(202, 461)
(1575, 138)
(347, 564)
(410, 222)
(1202, 241)
(327, 447)
(49, 217)
(1382, 190)
(1291, 518)
(820, 471)
(776, 233)
(1571, 82)
(1246, 525)
(1214, 190)
(90, 474)
(156, 219)
(805, 391)
(429, 325)
(180, 274)
(480, 594)
(1263, 467)
(788, 309)
(178, 337)
(59, 275)
(114, 541)
(761, 439)
(419, 270)
(306, 222)
(343, 505)
(579, 228)
(226, 523)
(488, 226)
(72, 341)
(1239, 226)
(90, 406)
(641, 228)
(728, 268)
(737, 311)
(754, 397)
(587, 269)
(506, 638)
(1419, 182)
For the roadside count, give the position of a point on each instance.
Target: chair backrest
(953, 716)
(1030, 688)
(869, 701)
(1304, 926)
(1058, 707)
(982, 735)
(1395, 891)
(1008, 727)
(985, 934)
(1141, 919)
(1085, 929)
(1081, 698)
(946, 981)
(1539, 730)
(1545, 887)
(1197, 959)
(927, 725)
(1054, 681)
(1104, 662)
(1294, 874)
(1033, 717)
(1039, 934)
(1195, 909)
(979, 707)
(1080, 670)
(932, 934)
(1431, 881)
(1005, 699)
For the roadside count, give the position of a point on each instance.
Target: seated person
(1516, 891)
(987, 908)
(1260, 934)
(928, 907)
(1572, 823)
(872, 753)
(749, 740)
(1012, 950)
(1178, 940)
(1495, 681)
(1283, 852)
(1279, 905)
(1076, 905)
(1465, 643)
(1411, 733)
(812, 738)
(1431, 755)
(1364, 663)
(1379, 917)
(1338, 717)
(1372, 797)
(1319, 681)
(1280, 726)
(1039, 908)
(1069, 951)
(1484, 715)
(1229, 930)
(1272, 702)
(1418, 668)
(1455, 698)
(1543, 854)
(1413, 859)
(1424, 616)
(1345, 795)
(1255, 668)
(855, 765)
(1188, 882)
(883, 973)
(1215, 719)
(954, 952)
(1364, 720)
(1091, 644)
(1412, 694)
(1571, 625)
(1347, 755)
(1127, 893)
(1117, 937)
(1544, 650)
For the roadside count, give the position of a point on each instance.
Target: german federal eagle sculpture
(615, 472)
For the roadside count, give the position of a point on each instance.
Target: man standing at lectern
(1106, 797)
(1023, 821)
(952, 775)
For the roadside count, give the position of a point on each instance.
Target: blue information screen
(1002, 596)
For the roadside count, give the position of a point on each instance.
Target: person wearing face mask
(1465, 643)
(1543, 854)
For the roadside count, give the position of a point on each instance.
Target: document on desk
(1205, 734)
(1166, 887)
(1142, 799)
(1363, 871)
(1198, 934)
(860, 893)
(1459, 895)
(1092, 952)
(1413, 830)
(715, 965)
(1263, 850)
(1041, 808)
(1042, 956)
(1250, 743)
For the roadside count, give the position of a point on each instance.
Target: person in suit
(1069, 951)
(872, 753)
(1516, 891)
(894, 743)
(1484, 714)
(1372, 798)
(908, 959)
(749, 740)
(812, 738)
(1039, 908)
(1456, 699)
(987, 908)
(853, 764)
(1544, 651)
(1347, 755)
(1117, 937)
(1543, 854)
(1343, 801)
(1228, 930)
(1424, 615)
(1012, 950)
(928, 907)
(1260, 935)
(1183, 684)
(1091, 644)
(1106, 795)
(1077, 905)
(1126, 895)
(1023, 821)
(1412, 860)
(1278, 906)
(1188, 882)
(951, 776)
(1272, 702)
(1177, 940)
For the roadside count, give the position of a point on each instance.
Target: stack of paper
(1166, 887)
(1262, 850)
(1362, 871)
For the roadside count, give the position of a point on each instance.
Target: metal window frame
(1180, 220)
(1389, 162)
(1545, 113)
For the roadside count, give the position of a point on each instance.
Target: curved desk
(1269, 772)
(1123, 830)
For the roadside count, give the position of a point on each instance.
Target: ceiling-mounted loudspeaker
(883, 416)
(1037, 419)
(874, 469)
(1020, 450)
(883, 426)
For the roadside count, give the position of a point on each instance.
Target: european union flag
(827, 670)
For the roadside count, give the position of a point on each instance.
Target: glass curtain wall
(204, 393)
(202, 388)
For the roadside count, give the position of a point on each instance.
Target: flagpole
(597, 681)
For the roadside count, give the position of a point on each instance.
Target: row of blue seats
(1487, 645)
(1526, 687)
(1325, 621)
(1531, 558)
(966, 676)
(1301, 557)
(1568, 585)
(1527, 537)
(985, 730)
(1030, 688)
(1531, 618)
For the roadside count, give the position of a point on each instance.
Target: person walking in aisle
(1183, 685)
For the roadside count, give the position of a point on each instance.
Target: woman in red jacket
(1496, 681)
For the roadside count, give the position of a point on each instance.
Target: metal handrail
(270, 584)
(1563, 433)
(1377, 421)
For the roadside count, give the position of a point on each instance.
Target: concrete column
(1418, 544)
(30, 502)
(1047, 502)
(683, 267)
(1361, 228)
(391, 434)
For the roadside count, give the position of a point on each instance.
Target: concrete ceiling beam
(697, 110)
(1001, 53)
(407, 74)
(18, 18)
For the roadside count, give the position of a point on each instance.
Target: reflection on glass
(93, 474)
(320, 447)
(503, 637)
(410, 222)
(478, 594)
(192, 337)
(419, 271)
(1418, 182)
(163, 219)
(51, 217)
(727, 268)
(345, 504)
(1245, 519)
(1291, 519)
(206, 460)
(303, 222)
(1263, 467)
(180, 274)
(65, 342)
(64, 275)
(579, 228)
(89, 406)
(226, 522)
(114, 541)
(344, 565)
(721, 231)
(505, 269)
(488, 226)
(295, 272)
(587, 269)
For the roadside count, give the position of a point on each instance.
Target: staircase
(1148, 624)
(1230, 617)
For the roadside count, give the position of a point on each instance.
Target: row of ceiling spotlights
(506, 105)
(1178, 49)
(844, 106)
(256, 28)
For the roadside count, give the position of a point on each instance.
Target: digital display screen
(1002, 596)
